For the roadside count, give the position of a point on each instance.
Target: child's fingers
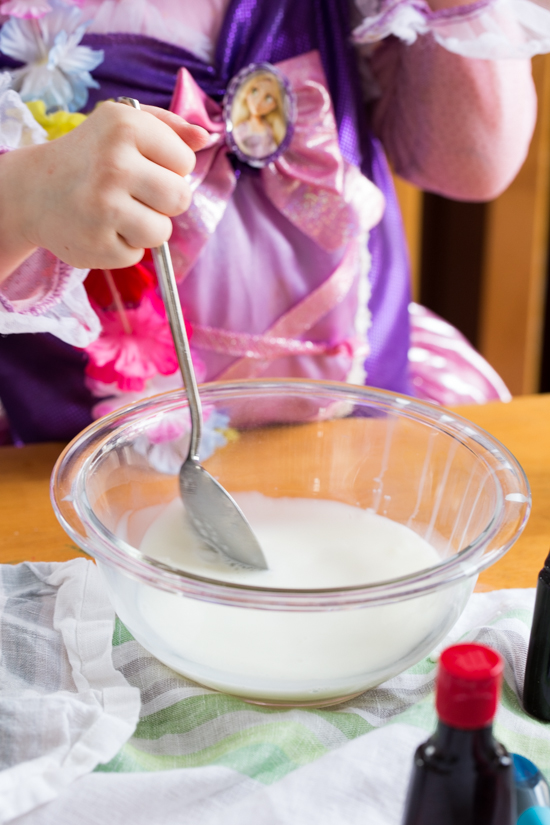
(141, 227)
(121, 256)
(194, 136)
(160, 144)
(111, 251)
(160, 189)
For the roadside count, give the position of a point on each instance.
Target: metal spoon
(215, 516)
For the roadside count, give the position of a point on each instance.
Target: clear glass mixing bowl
(427, 468)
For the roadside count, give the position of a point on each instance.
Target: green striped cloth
(185, 726)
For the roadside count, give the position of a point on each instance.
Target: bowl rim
(463, 565)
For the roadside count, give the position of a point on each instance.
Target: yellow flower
(56, 124)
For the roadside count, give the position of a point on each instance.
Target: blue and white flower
(18, 128)
(166, 443)
(57, 69)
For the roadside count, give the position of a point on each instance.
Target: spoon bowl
(228, 532)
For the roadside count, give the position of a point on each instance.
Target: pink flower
(115, 398)
(133, 348)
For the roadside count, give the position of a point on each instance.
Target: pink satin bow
(328, 199)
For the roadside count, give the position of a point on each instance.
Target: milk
(308, 543)
(286, 656)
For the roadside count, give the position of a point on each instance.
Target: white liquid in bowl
(291, 656)
(308, 543)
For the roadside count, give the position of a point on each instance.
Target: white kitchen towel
(63, 707)
(201, 758)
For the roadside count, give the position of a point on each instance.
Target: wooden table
(29, 530)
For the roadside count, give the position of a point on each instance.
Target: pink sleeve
(453, 125)
(46, 295)
(34, 286)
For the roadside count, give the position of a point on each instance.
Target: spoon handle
(170, 296)
(169, 290)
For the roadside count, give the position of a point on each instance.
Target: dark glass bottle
(536, 691)
(461, 775)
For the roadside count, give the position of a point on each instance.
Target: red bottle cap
(468, 686)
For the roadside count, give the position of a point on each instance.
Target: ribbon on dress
(310, 183)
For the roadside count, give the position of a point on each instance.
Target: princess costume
(295, 269)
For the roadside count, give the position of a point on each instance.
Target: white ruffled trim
(64, 309)
(69, 318)
(487, 29)
(360, 191)
(363, 317)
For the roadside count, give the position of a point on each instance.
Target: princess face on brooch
(258, 109)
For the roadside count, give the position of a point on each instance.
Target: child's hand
(102, 193)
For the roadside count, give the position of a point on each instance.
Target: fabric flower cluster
(135, 348)
(166, 444)
(44, 35)
(57, 123)
(134, 358)
(129, 354)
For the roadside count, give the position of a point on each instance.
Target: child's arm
(102, 193)
(450, 124)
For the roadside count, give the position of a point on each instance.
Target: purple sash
(253, 31)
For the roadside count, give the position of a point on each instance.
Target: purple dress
(42, 382)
